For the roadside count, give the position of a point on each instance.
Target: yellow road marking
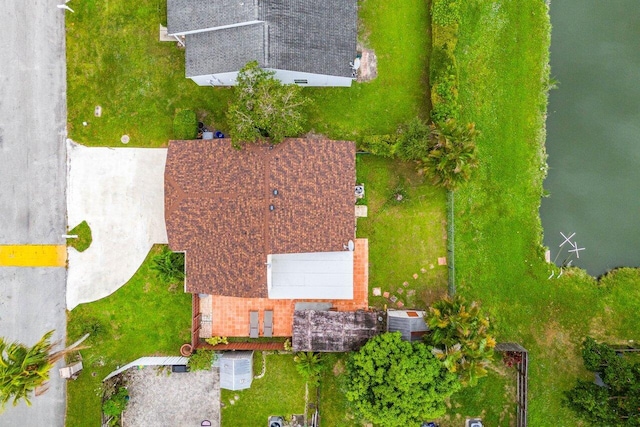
(33, 255)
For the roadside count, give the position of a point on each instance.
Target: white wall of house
(285, 76)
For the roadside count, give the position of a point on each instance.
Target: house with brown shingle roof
(265, 227)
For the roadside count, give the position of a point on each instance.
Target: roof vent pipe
(271, 207)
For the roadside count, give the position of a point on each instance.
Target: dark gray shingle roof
(192, 15)
(225, 50)
(312, 36)
(316, 36)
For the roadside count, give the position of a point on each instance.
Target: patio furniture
(253, 324)
(268, 323)
(71, 371)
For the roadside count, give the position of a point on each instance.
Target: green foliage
(310, 366)
(413, 140)
(452, 155)
(445, 12)
(217, 340)
(263, 108)
(460, 336)
(444, 97)
(201, 360)
(23, 369)
(169, 266)
(116, 403)
(185, 125)
(380, 145)
(618, 401)
(392, 382)
(84, 239)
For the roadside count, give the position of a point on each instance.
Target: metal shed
(236, 370)
(410, 323)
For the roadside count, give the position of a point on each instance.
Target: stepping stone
(415, 275)
(393, 298)
(442, 260)
(411, 293)
(400, 290)
(386, 295)
(400, 304)
(377, 292)
(431, 266)
(405, 284)
(423, 270)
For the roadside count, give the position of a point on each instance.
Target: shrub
(201, 360)
(413, 140)
(445, 12)
(380, 145)
(217, 340)
(185, 125)
(115, 405)
(169, 266)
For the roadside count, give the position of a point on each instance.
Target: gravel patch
(178, 399)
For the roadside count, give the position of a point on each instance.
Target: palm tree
(460, 337)
(452, 153)
(24, 369)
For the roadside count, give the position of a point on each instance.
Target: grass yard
(279, 392)
(334, 406)
(114, 60)
(405, 237)
(84, 239)
(143, 318)
(503, 55)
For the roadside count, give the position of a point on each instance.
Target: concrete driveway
(178, 399)
(120, 193)
(32, 185)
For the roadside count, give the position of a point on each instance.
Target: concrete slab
(179, 399)
(120, 193)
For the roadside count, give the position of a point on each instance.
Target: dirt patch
(338, 368)
(368, 66)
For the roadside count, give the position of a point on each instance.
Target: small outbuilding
(333, 331)
(236, 370)
(410, 323)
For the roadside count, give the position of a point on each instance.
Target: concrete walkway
(120, 193)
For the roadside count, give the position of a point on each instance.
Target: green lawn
(143, 318)
(280, 392)
(334, 407)
(503, 56)
(84, 239)
(114, 60)
(405, 237)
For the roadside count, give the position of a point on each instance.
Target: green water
(593, 134)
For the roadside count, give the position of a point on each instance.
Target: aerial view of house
(328, 213)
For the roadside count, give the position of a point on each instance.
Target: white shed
(236, 370)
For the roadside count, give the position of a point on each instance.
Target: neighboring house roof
(217, 207)
(410, 323)
(333, 331)
(298, 35)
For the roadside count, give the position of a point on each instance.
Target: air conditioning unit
(276, 422)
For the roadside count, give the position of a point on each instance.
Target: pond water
(593, 135)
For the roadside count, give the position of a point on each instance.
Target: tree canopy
(452, 153)
(395, 383)
(615, 403)
(460, 337)
(23, 369)
(263, 108)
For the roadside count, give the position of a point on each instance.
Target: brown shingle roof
(217, 207)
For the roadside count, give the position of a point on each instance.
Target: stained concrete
(120, 193)
(179, 399)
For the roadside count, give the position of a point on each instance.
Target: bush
(115, 405)
(217, 340)
(444, 98)
(380, 145)
(169, 266)
(413, 140)
(445, 12)
(201, 360)
(185, 125)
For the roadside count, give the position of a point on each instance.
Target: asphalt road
(32, 184)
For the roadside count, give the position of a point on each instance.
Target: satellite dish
(351, 245)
